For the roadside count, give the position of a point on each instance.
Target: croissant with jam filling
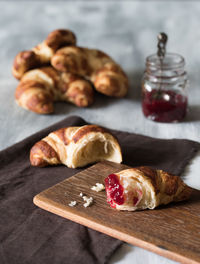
(143, 187)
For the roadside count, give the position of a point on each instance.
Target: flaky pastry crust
(42, 53)
(106, 75)
(144, 187)
(76, 147)
(40, 88)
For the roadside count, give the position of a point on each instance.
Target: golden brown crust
(52, 73)
(151, 174)
(34, 96)
(25, 85)
(40, 103)
(107, 76)
(184, 195)
(41, 152)
(70, 62)
(67, 79)
(81, 98)
(60, 38)
(171, 182)
(150, 187)
(85, 130)
(39, 88)
(42, 53)
(76, 147)
(24, 61)
(61, 134)
(100, 54)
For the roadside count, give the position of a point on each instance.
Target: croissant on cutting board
(76, 147)
(143, 187)
(40, 88)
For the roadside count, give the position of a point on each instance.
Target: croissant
(42, 53)
(143, 187)
(107, 76)
(76, 147)
(39, 88)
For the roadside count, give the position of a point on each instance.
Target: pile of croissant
(58, 70)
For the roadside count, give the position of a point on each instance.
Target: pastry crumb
(98, 187)
(72, 203)
(88, 201)
(81, 194)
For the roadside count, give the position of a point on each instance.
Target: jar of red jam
(164, 85)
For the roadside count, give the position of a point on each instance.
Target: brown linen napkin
(31, 235)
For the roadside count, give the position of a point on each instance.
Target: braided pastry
(39, 88)
(143, 187)
(76, 147)
(107, 76)
(42, 53)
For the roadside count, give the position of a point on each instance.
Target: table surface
(127, 31)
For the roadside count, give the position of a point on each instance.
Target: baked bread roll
(40, 88)
(106, 75)
(76, 147)
(143, 187)
(42, 53)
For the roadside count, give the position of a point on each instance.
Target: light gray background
(127, 31)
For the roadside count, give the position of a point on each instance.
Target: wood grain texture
(172, 231)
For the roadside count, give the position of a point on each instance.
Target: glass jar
(164, 88)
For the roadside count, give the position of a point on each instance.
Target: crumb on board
(98, 187)
(81, 194)
(72, 203)
(88, 201)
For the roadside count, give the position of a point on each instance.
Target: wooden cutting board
(172, 231)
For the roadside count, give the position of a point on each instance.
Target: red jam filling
(137, 197)
(164, 106)
(114, 190)
(135, 200)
